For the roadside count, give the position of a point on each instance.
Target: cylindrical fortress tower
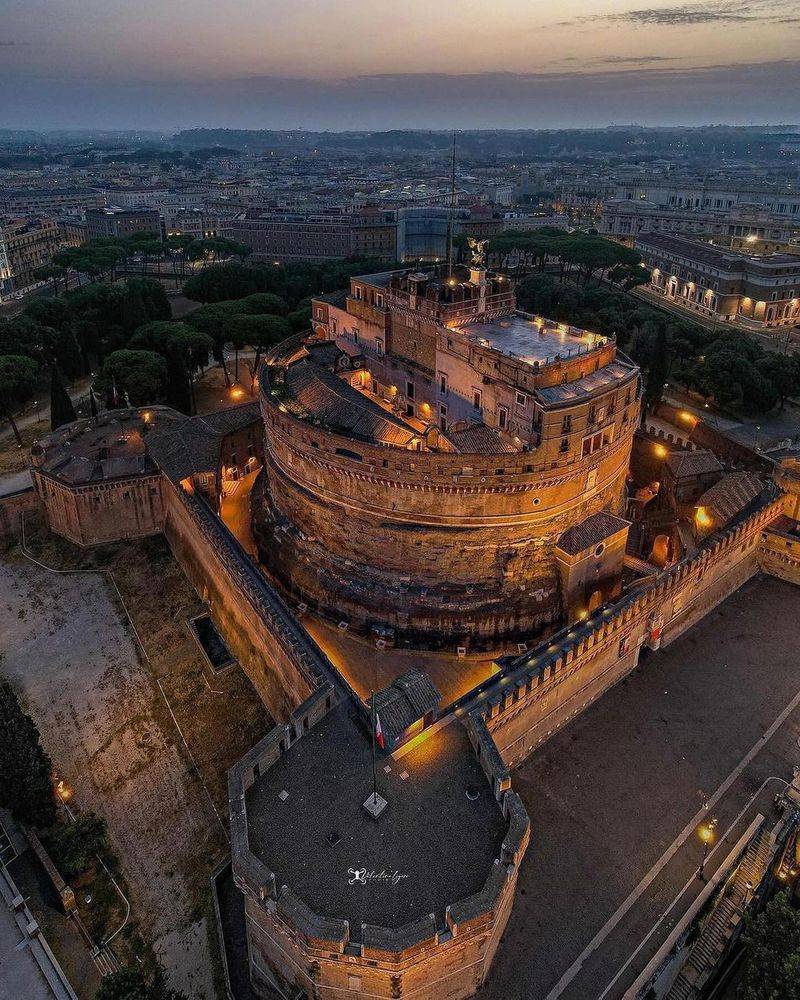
(444, 532)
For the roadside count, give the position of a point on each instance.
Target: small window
(566, 424)
(359, 292)
(379, 347)
(522, 399)
(477, 399)
(502, 417)
(443, 383)
(564, 446)
(409, 390)
(379, 301)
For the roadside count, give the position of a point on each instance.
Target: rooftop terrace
(534, 342)
(435, 844)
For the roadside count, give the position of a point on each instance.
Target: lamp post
(706, 834)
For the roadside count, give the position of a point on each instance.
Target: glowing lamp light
(64, 791)
(237, 392)
(147, 416)
(702, 518)
(688, 418)
(706, 834)
(660, 450)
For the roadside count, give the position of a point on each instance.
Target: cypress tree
(61, 409)
(25, 770)
(179, 395)
(134, 311)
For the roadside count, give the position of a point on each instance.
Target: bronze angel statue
(478, 250)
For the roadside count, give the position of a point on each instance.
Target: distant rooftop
(717, 257)
(441, 844)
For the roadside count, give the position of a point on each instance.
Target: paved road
(610, 795)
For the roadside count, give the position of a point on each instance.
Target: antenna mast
(451, 211)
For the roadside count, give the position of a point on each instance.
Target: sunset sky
(380, 64)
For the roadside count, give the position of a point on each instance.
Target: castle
(436, 469)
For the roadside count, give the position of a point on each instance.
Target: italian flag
(379, 732)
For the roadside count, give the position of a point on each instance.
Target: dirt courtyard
(67, 646)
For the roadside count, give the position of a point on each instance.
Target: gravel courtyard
(68, 649)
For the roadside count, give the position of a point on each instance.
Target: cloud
(634, 60)
(720, 12)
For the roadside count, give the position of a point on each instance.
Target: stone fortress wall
(291, 943)
(452, 547)
(542, 690)
(283, 664)
(91, 512)
(506, 718)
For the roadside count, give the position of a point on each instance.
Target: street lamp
(706, 834)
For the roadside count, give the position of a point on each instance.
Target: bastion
(412, 903)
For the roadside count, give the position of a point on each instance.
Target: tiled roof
(478, 439)
(407, 699)
(730, 496)
(592, 531)
(692, 463)
(336, 403)
(193, 445)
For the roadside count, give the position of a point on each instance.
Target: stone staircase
(720, 926)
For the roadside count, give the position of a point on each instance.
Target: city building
(697, 195)
(428, 416)
(49, 201)
(306, 236)
(625, 220)
(135, 196)
(197, 222)
(757, 291)
(26, 244)
(121, 222)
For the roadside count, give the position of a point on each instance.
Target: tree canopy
(138, 375)
(726, 366)
(772, 956)
(131, 984)
(73, 845)
(17, 383)
(578, 253)
(26, 787)
(292, 282)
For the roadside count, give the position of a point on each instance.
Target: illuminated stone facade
(427, 455)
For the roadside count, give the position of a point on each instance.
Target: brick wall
(12, 509)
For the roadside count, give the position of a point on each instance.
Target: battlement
(539, 691)
(325, 917)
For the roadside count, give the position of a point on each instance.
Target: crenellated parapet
(293, 932)
(541, 690)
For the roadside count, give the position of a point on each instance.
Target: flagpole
(374, 767)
